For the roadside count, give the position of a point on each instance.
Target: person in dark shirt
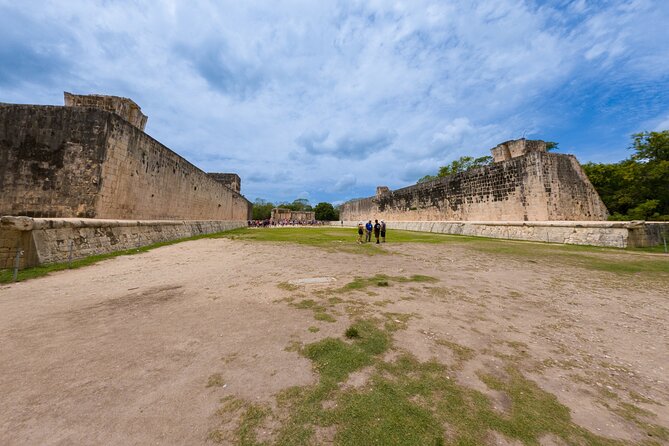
(377, 230)
(383, 231)
(360, 229)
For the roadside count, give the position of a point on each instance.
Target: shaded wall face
(145, 180)
(536, 187)
(50, 160)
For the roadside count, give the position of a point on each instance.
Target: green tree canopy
(636, 188)
(300, 204)
(262, 209)
(462, 164)
(326, 212)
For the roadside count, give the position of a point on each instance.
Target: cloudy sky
(325, 100)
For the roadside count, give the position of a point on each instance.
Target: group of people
(271, 223)
(379, 229)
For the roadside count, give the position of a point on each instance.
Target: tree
(262, 209)
(326, 212)
(636, 188)
(462, 164)
(300, 204)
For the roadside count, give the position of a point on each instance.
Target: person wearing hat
(360, 232)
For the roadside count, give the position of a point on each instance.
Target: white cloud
(335, 98)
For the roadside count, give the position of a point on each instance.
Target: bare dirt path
(141, 349)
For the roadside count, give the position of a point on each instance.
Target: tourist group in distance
(379, 229)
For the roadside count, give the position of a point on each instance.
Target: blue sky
(325, 100)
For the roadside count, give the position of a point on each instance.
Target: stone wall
(280, 214)
(44, 241)
(124, 107)
(616, 234)
(536, 186)
(83, 162)
(229, 180)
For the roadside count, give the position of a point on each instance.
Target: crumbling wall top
(380, 190)
(230, 180)
(515, 148)
(124, 107)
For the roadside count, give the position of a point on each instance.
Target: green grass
(382, 280)
(406, 402)
(613, 260)
(215, 380)
(343, 239)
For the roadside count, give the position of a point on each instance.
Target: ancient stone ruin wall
(53, 240)
(83, 162)
(124, 107)
(279, 214)
(536, 186)
(50, 160)
(230, 180)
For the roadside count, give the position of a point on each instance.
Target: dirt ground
(124, 351)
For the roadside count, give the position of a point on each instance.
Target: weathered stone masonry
(92, 163)
(525, 184)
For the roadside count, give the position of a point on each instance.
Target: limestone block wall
(145, 180)
(616, 234)
(50, 160)
(124, 107)
(230, 180)
(89, 163)
(538, 186)
(44, 241)
(279, 214)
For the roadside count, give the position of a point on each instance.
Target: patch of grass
(335, 359)
(314, 329)
(248, 418)
(287, 286)
(306, 304)
(407, 402)
(396, 321)
(360, 283)
(352, 333)
(323, 316)
(6, 275)
(612, 260)
(461, 352)
(215, 380)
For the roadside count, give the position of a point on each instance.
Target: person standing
(368, 231)
(377, 231)
(383, 231)
(360, 228)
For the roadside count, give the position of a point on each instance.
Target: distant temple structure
(283, 214)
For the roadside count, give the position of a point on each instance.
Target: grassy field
(344, 239)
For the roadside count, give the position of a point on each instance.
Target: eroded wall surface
(538, 186)
(81, 162)
(124, 107)
(43, 241)
(50, 160)
(143, 179)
